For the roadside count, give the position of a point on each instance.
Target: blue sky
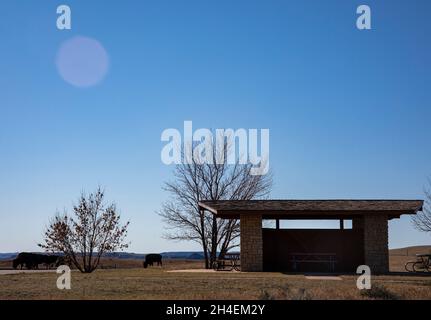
(348, 111)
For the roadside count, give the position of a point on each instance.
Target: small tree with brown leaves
(93, 230)
(422, 220)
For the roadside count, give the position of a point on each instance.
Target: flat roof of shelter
(311, 209)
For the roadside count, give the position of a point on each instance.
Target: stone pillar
(376, 252)
(251, 243)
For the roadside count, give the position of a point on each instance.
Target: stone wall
(251, 243)
(376, 252)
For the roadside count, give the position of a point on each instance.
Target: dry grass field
(157, 283)
(126, 279)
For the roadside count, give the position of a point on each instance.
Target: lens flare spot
(82, 61)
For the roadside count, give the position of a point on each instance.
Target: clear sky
(348, 111)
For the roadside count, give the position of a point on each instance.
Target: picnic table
(228, 262)
(421, 264)
(330, 259)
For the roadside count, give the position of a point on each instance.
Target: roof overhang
(311, 209)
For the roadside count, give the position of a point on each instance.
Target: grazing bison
(53, 261)
(29, 260)
(17, 263)
(150, 259)
(32, 260)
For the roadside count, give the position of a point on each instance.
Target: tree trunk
(207, 263)
(204, 240)
(214, 236)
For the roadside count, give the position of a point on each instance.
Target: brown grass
(126, 279)
(157, 283)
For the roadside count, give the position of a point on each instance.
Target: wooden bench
(305, 258)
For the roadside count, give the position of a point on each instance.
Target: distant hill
(410, 251)
(166, 255)
(8, 256)
(190, 255)
(183, 255)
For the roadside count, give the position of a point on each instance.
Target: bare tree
(422, 220)
(94, 229)
(199, 181)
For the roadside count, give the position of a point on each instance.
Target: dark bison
(53, 261)
(33, 260)
(151, 259)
